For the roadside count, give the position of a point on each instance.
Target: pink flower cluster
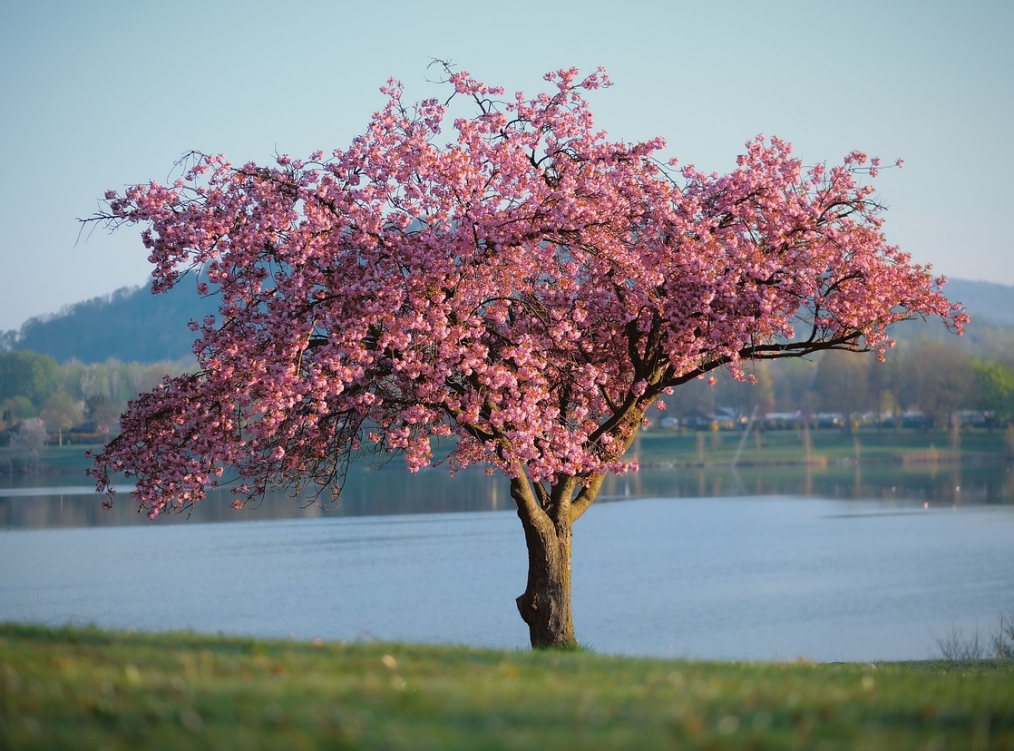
(525, 291)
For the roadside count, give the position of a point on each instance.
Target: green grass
(85, 688)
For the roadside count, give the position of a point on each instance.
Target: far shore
(661, 448)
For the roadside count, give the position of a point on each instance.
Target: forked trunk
(547, 513)
(545, 604)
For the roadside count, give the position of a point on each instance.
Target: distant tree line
(926, 381)
(928, 385)
(74, 396)
(932, 377)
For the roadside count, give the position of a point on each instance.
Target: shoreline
(659, 449)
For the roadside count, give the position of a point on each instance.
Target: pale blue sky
(98, 94)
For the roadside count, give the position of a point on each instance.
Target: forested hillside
(132, 325)
(129, 325)
(986, 301)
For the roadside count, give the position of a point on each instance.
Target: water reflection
(954, 484)
(392, 490)
(384, 492)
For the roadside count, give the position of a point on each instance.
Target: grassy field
(91, 689)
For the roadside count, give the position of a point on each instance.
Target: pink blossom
(521, 283)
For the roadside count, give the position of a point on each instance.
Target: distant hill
(132, 325)
(992, 303)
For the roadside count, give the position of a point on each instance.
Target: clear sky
(100, 94)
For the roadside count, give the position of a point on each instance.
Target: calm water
(753, 577)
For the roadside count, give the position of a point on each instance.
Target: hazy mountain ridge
(132, 325)
(991, 302)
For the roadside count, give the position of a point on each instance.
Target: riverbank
(767, 448)
(87, 688)
(823, 448)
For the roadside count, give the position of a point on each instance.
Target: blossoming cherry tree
(521, 287)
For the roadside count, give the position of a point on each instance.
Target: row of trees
(936, 377)
(74, 394)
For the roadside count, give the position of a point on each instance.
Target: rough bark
(545, 604)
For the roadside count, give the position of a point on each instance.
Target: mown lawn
(90, 689)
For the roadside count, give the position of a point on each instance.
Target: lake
(880, 576)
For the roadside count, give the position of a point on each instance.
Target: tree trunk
(547, 515)
(545, 604)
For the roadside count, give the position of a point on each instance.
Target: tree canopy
(27, 374)
(513, 278)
